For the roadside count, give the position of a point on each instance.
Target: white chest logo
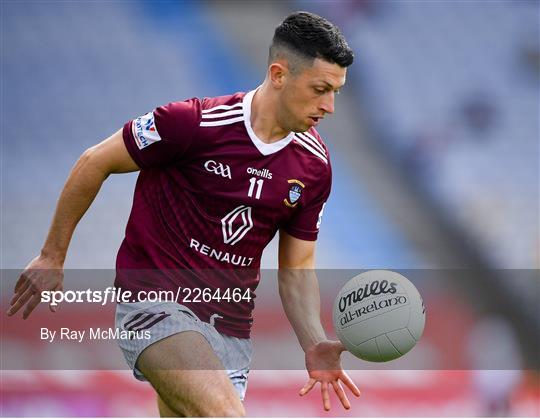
(236, 224)
(219, 169)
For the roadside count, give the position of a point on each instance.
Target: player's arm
(299, 289)
(299, 292)
(45, 272)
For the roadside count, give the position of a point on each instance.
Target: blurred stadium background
(435, 148)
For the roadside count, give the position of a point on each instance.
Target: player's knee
(228, 412)
(224, 410)
(234, 412)
(164, 410)
(217, 408)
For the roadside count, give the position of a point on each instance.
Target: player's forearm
(78, 193)
(299, 292)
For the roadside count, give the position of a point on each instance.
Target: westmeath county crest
(295, 192)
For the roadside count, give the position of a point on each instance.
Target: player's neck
(265, 124)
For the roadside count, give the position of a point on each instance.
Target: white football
(379, 315)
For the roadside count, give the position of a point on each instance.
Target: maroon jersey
(211, 195)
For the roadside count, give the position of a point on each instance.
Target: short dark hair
(304, 36)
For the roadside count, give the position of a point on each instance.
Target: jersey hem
(302, 235)
(241, 334)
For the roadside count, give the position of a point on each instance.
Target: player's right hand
(41, 274)
(323, 363)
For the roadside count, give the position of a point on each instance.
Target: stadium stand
(452, 91)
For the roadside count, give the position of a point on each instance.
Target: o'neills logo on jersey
(259, 172)
(220, 255)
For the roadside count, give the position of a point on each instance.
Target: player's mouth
(315, 119)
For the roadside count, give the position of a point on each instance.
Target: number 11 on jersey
(252, 183)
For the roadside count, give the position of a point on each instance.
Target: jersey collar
(265, 148)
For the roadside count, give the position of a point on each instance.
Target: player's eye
(319, 90)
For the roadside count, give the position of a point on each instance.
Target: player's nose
(327, 104)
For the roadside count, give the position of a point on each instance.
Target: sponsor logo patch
(295, 192)
(236, 224)
(144, 130)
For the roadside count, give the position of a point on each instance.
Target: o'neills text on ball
(368, 290)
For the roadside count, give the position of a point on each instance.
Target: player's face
(308, 96)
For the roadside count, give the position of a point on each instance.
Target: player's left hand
(323, 363)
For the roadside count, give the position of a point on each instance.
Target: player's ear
(277, 73)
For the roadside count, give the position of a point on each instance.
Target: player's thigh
(189, 377)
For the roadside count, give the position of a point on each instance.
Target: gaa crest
(295, 192)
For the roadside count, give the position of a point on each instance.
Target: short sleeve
(160, 137)
(306, 221)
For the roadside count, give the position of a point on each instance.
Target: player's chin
(304, 126)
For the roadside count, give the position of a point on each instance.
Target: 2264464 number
(206, 295)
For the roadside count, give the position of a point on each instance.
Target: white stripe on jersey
(225, 107)
(224, 122)
(310, 148)
(312, 140)
(222, 114)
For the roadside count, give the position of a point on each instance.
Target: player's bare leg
(164, 410)
(189, 377)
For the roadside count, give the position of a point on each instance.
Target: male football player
(218, 178)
